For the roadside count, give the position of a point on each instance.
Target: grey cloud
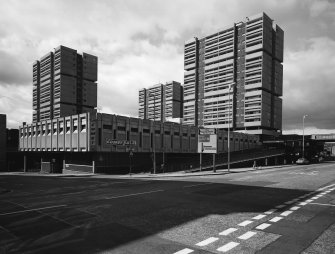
(13, 69)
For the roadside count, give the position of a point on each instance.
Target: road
(281, 210)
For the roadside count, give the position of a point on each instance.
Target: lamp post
(154, 134)
(230, 86)
(303, 136)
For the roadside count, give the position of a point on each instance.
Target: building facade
(234, 78)
(114, 133)
(64, 83)
(161, 102)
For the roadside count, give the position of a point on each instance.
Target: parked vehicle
(302, 161)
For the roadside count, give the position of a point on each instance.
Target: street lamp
(230, 87)
(303, 136)
(154, 133)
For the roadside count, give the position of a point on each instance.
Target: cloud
(309, 86)
(140, 43)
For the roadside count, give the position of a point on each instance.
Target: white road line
(271, 211)
(227, 247)
(302, 203)
(207, 241)
(247, 235)
(134, 194)
(32, 210)
(321, 204)
(184, 251)
(195, 185)
(263, 226)
(245, 223)
(286, 213)
(280, 206)
(313, 198)
(228, 231)
(276, 219)
(258, 217)
(294, 208)
(289, 202)
(309, 200)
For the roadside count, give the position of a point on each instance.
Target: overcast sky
(140, 43)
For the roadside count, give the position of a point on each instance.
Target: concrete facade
(64, 84)
(113, 133)
(161, 102)
(248, 58)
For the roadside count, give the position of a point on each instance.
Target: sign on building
(120, 142)
(207, 140)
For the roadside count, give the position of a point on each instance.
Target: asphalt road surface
(282, 210)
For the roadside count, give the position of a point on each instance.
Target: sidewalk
(149, 175)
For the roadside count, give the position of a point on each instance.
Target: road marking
(263, 226)
(309, 200)
(276, 219)
(207, 241)
(134, 194)
(313, 198)
(286, 213)
(294, 208)
(289, 202)
(280, 206)
(228, 231)
(227, 247)
(245, 223)
(31, 210)
(247, 235)
(271, 211)
(302, 203)
(194, 185)
(184, 251)
(258, 217)
(321, 204)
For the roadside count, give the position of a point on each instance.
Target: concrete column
(24, 163)
(93, 166)
(285, 161)
(276, 160)
(63, 166)
(266, 161)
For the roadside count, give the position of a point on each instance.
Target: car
(302, 161)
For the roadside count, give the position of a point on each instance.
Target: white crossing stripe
(244, 223)
(302, 203)
(247, 235)
(184, 251)
(258, 217)
(227, 247)
(313, 198)
(289, 202)
(270, 211)
(294, 208)
(286, 213)
(263, 226)
(309, 200)
(276, 219)
(207, 241)
(228, 231)
(280, 206)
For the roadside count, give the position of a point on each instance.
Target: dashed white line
(270, 211)
(247, 235)
(302, 203)
(309, 200)
(294, 208)
(276, 219)
(207, 241)
(32, 210)
(245, 223)
(321, 204)
(263, 226)
(289, 202)
(184, 251)
(258, 217)
(286, 213)
(134, 194)
(280, 206)
(227, 247)
(228, 231)
(195, 185)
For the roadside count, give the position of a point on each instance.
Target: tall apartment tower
(234, 78)
(64, 83)
(161, 102)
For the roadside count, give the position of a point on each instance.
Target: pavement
(287, 209)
